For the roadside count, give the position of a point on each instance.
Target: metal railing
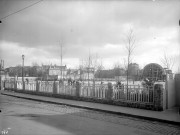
(132, 93)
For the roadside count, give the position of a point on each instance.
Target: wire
(20, 10)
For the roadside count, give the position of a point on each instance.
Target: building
(87, 73)
(133, 69)
(74, 74)
(60, 71)
(82, 74)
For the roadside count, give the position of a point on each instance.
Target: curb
(100, 110)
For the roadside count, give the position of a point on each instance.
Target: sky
(89, 27)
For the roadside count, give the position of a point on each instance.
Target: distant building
(133, 69)
(60, 71)
(17, 71)
(74, 74)
(83, 74)
(120, 78)
(87, 73)
(45, 68)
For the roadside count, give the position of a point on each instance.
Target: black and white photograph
(89, 67)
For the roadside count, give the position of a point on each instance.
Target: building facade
(60, 71)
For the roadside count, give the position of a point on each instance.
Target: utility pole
(179, 55)
(1, 69)
(22, 68)
(23, 71)
(61, 60)
(88, 67)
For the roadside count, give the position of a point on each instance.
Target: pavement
(170, 116)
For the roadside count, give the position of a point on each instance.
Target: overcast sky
(80, 26)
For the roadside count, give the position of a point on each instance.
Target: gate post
(159, 97)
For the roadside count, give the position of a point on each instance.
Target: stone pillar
(23, 85)
(37, 86)
(159, 97)
(15, 85)
(78, 88)
(110, 91)
(93, 89)
(54, 87)
(177, 89)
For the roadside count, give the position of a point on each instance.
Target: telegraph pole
(88, 67)
(1, 69)
(61, 59)
(23, 69)
(179, 53)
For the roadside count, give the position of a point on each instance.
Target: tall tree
(168, 61)
(130, 45)
(100, 67)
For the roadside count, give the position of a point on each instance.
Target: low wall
(171, 93)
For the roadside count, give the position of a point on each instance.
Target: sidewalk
(170, 116)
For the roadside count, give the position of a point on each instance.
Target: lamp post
(22, 68)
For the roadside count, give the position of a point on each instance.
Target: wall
(177, 88)
(171, 93)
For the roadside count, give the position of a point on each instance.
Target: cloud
(100, 26)
(88, 23)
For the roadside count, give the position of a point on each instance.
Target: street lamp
(23, 68)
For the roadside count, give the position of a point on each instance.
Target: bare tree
(100, 67)
(168, 61)
(92, 63)
(130, 45)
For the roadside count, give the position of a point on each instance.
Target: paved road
(26, 117)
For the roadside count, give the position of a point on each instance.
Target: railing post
(159, 97)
